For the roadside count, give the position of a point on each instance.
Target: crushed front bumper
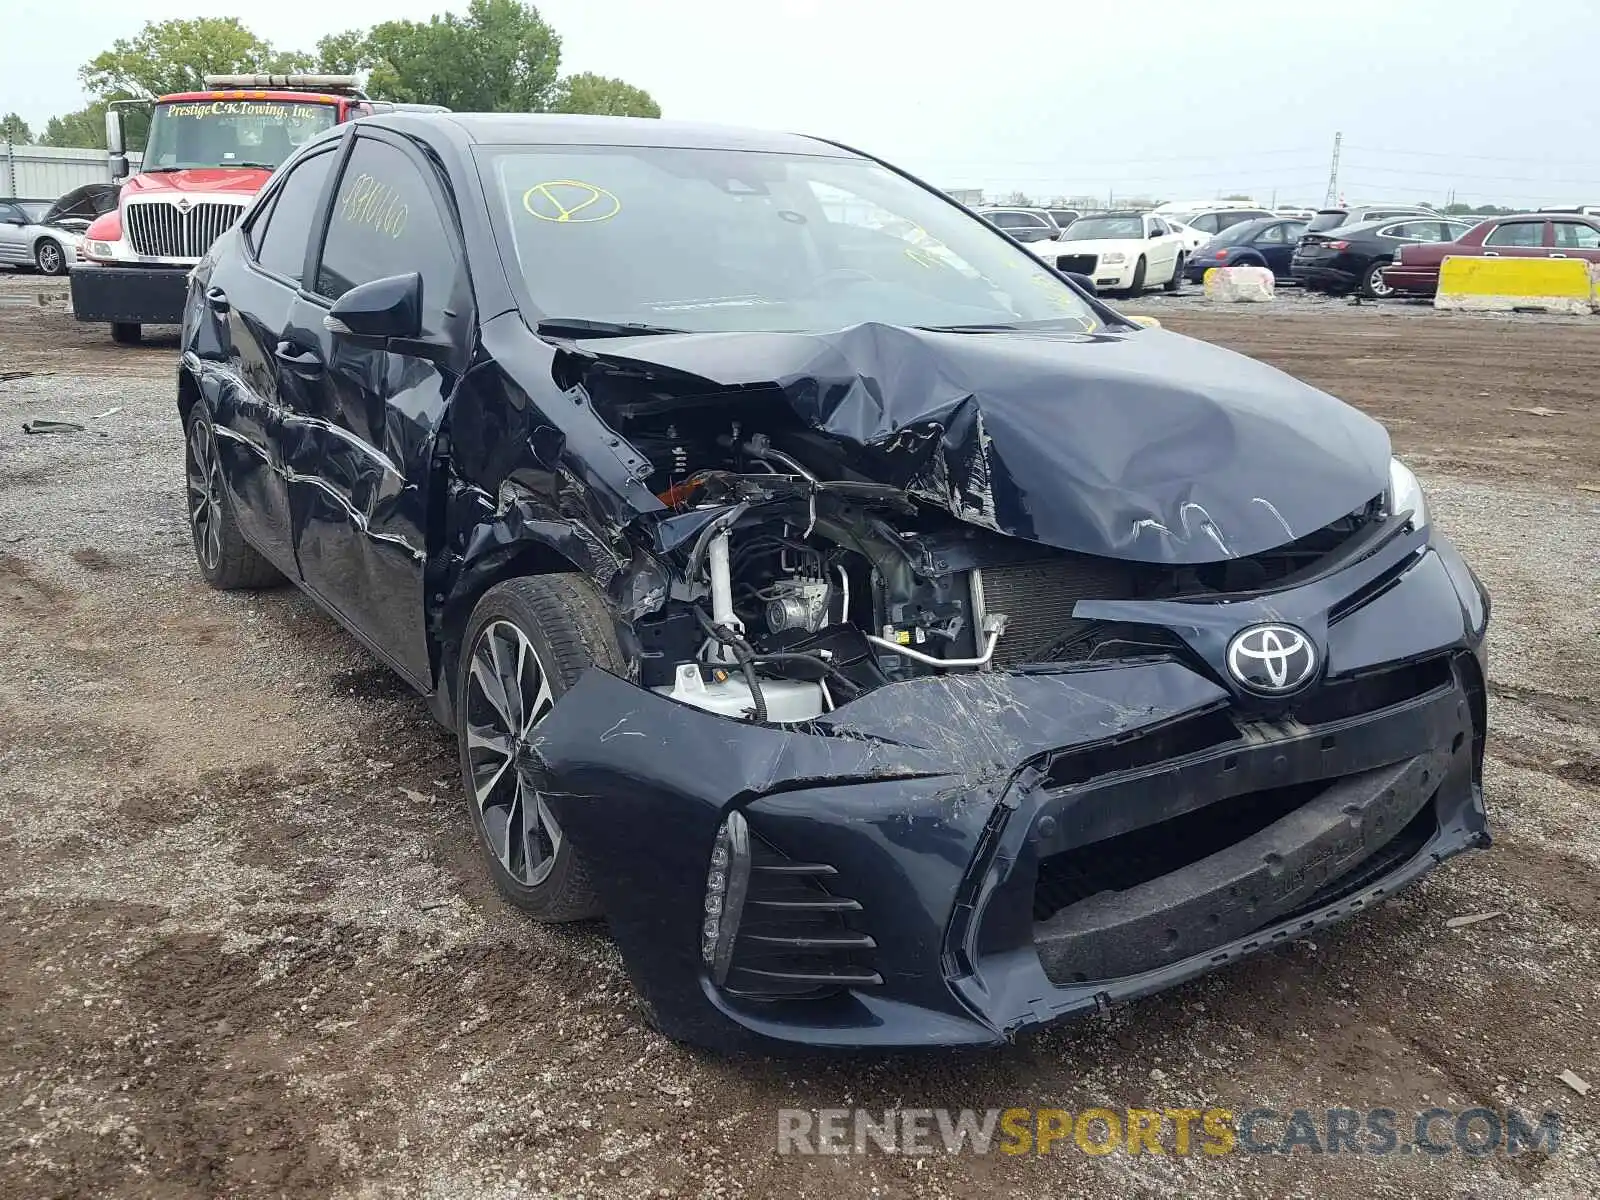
(137, 295)
(951, 860)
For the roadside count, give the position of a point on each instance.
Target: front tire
(50, 258)
(1372, 285)
(527, 641)
(1138, 277)
(1176, 281)
(125, 333)
(227, 562)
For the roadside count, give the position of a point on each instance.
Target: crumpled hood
(1147, 446)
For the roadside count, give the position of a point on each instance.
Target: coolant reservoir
(787, 700)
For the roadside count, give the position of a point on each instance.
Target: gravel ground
(246, 947)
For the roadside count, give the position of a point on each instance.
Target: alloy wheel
(508, 694)
(1376, 285)
(205, 494)
(50, 258)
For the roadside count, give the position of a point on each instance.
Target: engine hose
(742, 654)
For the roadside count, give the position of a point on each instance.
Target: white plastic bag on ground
(1239, 284)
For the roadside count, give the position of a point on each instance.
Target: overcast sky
(1175, 100)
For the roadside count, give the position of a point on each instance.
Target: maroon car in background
(1526, 235)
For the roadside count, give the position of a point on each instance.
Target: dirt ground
(246, 948)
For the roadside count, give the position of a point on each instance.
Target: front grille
(795, 938)
(1038, 596)
(1083, 264)
(163, 230)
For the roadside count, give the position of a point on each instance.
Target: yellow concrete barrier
(1508, 284)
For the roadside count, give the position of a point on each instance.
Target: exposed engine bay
(800, 587)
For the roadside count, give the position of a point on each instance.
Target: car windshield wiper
(583, 327)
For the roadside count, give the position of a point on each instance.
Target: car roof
(563, 129)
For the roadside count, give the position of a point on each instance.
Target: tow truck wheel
(48, 257)
(125, 333)
(527, 641)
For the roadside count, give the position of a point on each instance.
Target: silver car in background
(48, 235)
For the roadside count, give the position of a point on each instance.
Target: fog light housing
(727, 881)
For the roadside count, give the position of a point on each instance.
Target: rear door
(1575, 239)
(360, 447)
(249, 301)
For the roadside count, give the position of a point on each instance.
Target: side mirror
(114, 143)
(375, 312)
(119, 167)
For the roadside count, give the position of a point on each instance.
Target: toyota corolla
(896, 645)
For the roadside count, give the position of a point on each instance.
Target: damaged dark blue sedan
(895, 644)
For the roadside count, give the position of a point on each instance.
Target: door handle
(1491, 254)
(305, 362)
(217, 299)
(1558, 256)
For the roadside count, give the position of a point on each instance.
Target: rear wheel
(50, 258)
(526, 643)
(125, 333)
(1372, 285)
(1138, 277)
(1176, 281)
(227, 562)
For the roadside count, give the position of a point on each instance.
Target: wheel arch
(535, 554)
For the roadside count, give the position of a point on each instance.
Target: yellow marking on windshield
(570, 201)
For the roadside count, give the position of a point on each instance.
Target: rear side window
(1206, 223)
(1272, 235)
(384, 221)
(1331, 219)
(1574, 235)
(1516, 233)
(280, 243)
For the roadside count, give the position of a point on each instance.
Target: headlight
(727, 880)
(1405, 494)
(1116, 256)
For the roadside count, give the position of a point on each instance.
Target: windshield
(706, 240)
(1326, 220)
(34, 209)
(1092, 229)
(232, 133)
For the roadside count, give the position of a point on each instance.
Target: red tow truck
(207, 155)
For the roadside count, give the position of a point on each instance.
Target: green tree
(590, 93)
(343, 53)
(87, 126)
(14, 129)
(500, 57)
(176, 55)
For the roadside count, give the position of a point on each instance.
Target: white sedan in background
(1120, 251)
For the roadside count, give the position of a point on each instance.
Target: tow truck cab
(207, 155)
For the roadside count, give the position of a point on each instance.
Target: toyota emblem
(1272, 660)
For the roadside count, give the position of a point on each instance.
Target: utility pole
(1333, 173)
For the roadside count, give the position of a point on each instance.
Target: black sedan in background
(1268, 242)
(1353, 256)
(895, 645)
